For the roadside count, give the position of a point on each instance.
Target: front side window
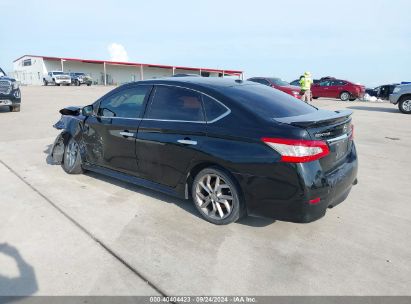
(176, 104)
(127, 103)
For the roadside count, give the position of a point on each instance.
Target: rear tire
(217, 197)
(404, 105)
(315, 97)
(72, 158)
(57, 84)
(344, 96)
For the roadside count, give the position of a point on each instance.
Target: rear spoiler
(317, 118)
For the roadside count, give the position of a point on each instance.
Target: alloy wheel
(214, 197)
(406, 105)
(345, 96)
(71, 154)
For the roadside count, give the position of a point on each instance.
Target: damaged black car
(234, 147)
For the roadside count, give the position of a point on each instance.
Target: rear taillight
(298, 151)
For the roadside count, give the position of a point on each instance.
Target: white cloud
(117, 52)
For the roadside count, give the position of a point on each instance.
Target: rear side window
(127, 103)
(326, 83)
(173, 103)
(338, 83)
(213, 108)
(267, 102)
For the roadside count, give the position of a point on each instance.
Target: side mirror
(87, 110)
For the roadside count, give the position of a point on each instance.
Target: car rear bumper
(287, 198)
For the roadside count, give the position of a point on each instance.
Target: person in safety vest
(305, 85)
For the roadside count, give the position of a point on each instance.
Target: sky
(367, 42)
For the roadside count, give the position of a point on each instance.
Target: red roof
(231, 72)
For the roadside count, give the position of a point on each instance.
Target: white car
(57, 78)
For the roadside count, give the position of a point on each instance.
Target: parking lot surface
(87, 234)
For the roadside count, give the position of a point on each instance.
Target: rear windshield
(279, 82)
(268, 102)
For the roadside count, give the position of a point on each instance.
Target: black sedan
(235, 147)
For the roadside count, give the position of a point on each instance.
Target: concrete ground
(86, 234)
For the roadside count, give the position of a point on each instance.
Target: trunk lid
(334, 127)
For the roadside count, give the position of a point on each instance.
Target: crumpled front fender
(57, 150)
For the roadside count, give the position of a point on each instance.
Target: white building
(29, 70)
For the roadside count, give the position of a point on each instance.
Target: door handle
(187, 142)
(126, 133)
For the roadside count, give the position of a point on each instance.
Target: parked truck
(10, 94)
(401, 96)
(57, 78)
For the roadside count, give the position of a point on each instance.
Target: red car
(336, 88)
(278, 84)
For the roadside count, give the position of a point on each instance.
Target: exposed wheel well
(403, 97)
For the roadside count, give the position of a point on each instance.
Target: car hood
(7, 78)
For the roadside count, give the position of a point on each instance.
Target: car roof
(262, 77)
(206, 82)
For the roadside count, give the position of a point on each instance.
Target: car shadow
(374, 109)
(25, 284)
(186, 205)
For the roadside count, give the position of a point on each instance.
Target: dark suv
(80, 78)
(10, 94)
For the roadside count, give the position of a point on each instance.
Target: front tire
(352, 99)
(72, 158)
(217, 196)
(404, 105)
(15, 108)
(344, 96)
(45, 82)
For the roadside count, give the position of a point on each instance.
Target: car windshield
(279, 82)
(58, 73)
(267, 102)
